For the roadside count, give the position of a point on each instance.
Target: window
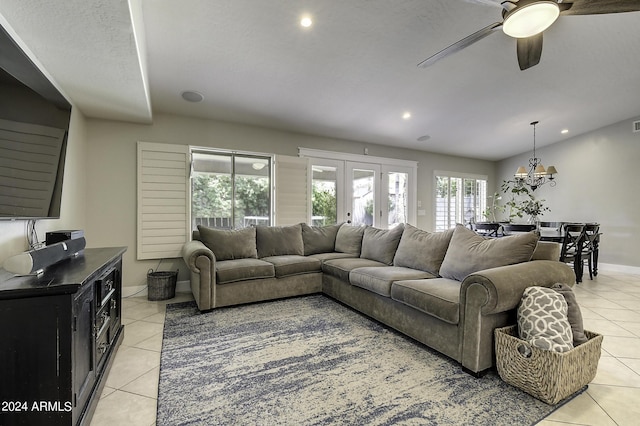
(324, 201)
(230, 190)
(459, 199)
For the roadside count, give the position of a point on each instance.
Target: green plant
(522, 201)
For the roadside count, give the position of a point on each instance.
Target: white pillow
(543, 320)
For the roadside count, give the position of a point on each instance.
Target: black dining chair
(488, 229)
(590, 247)
(571, 251)
(510, 228)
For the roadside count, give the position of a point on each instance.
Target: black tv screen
(34, 125)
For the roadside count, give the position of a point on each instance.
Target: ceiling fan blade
(459, 45)
(590, 7)
(529, 51)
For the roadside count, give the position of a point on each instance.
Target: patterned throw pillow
(543, 321)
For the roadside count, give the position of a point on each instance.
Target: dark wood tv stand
(59, 332)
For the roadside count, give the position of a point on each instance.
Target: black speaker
(35, 261)
(63, 235)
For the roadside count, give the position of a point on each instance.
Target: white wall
(72, 215)
(111, 172)
(597, 181)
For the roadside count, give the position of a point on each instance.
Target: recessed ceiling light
(565, 131)
(192, 96)
(306, 22)
(406, 115)
(423, 138)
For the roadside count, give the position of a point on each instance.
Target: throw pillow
(573, 313)
(319, 239)
(349, 239)
(542, 319)
(381, 244)
(422, 250)
(227, 244)
(279, 240)
(469, 252)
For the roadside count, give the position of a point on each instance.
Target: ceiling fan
(525, 20)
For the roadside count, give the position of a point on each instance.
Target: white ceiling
(351, 75)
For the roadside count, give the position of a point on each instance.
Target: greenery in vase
(522, 201)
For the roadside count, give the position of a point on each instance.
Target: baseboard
(141, 290)
(624, 269)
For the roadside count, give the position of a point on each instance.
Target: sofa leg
(478, 374)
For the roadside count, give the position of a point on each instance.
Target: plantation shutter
(292, 189)
(163, 200)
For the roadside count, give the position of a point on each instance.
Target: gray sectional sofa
(448, 290)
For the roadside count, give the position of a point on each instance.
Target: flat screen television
(34, 125)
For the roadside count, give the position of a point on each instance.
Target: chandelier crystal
(537, 175)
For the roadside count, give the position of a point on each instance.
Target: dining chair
(489, 229)
(590, 247)
(571, 251)
(510, 228)
(555, 225)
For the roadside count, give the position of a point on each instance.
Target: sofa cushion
(469, 252)
(378, 279)
(349, 239)
(381, 244)
(322, 257)
(573, 313)
(438, 297)
(293, 264)
(229, 244)
(279, 240)
(422, 250)
(319, 239)
(340, 268)
(228, 271)
(542, 319)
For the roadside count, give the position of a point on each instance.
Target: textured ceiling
(351, 75)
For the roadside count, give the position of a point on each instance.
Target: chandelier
(537, 175)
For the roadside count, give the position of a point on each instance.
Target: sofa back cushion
(319, 239)
(228, 244)
(422, 250)
(381, 244)
(469, 252)
(349, 239)
(279, 240)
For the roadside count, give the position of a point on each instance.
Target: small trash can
(161, 285)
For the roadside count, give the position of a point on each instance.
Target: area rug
(313, 361)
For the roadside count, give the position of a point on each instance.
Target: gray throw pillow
(573, 313)
(279, 240)
(422, 250)
(227, 244)
(319, 239)
(349, 239)
(469, 252)
(381, 244)
(542, 319)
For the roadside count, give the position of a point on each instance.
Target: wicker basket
(161, 284)
(547, 375)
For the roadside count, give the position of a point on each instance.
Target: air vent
(636, 126)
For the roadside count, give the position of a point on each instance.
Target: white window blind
(163, 200)
(292, 188)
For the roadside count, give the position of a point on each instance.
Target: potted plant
(522, 202)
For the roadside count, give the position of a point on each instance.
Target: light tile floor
(610, 306)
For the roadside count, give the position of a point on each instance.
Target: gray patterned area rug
(313, 361)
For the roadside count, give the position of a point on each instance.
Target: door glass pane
(324, 198)
(363, 197)
(252, 195)
(211, 191)
(398, 196)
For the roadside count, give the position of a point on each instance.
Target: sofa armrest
(190, 252)
(504, 285)
(201, 263)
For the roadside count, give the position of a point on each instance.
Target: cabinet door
(83, 351)
(35, 361)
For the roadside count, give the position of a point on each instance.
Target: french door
(362, 191)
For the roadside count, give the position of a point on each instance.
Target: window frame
(459, 214)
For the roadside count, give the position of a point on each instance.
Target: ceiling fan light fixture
(530, 19)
